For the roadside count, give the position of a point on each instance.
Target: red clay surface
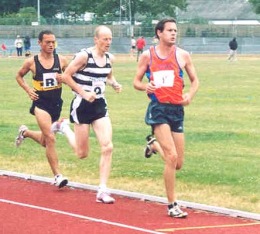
(28, 206)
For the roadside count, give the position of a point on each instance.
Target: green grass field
(221, 126)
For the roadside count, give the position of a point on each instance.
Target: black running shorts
(84, 112)
(52, 108)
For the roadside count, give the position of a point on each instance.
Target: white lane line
(139, 196)
(80, 216)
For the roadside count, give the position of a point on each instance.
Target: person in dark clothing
(27, 46)
(233, 50)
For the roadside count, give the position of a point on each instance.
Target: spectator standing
(27, 46)
(133, 46)
(233, 50)
(140, 44)
(4, 49)
(18, 43)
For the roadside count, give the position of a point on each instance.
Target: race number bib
(99, 88)
(163, 78)
(49, 80)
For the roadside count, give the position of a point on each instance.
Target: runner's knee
(179, 165)
(49, 139)
(171, 160)
(107, 149)
(81, 154)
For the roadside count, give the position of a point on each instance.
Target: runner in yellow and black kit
(46, 97)
(47, 88)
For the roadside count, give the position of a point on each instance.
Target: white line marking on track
(80, 216)
(142, 197)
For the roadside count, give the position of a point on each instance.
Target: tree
(151, 8)
(256, 5)
(77, 7)
(8, 7)
(25, 16)
(49, 8)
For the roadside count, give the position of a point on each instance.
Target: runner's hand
(186, 99)
(33, 95)
(59, 78)
(150, 87)
(90, 96)
(117, 87)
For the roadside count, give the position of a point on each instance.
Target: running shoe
(60, 181)
(148, 151)
(20, 138)
(104, 197)
(58, 126)
(176, 212)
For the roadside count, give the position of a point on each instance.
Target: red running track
(28, 206)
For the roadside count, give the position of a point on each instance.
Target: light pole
(130, 19)
(120, 12)
(38, 12)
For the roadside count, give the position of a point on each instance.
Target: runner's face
(104, 40)
(169, 34)
(48, 43)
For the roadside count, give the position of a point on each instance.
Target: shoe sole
(148, 153)
(63, 183)
(178, 216)
(20, 138)
(101, 201)
(18, 142)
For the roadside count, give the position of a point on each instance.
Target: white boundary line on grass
(143, 197)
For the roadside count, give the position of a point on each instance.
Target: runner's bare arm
(194, 82)
(111, 80)
(27, 66)
(138, 83)
(64, 65)
(75, 65)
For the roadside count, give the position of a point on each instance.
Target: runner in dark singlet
(46, 99)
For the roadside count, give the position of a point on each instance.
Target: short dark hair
(47, 32)
(160, 25)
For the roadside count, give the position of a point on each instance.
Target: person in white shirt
(18, 43)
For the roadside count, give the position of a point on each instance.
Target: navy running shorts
(165, 113)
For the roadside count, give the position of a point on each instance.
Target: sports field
(222, 135)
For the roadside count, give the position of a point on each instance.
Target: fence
(82, 31)
(192, 37)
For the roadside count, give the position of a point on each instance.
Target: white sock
(102, 187)
(70, 135)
